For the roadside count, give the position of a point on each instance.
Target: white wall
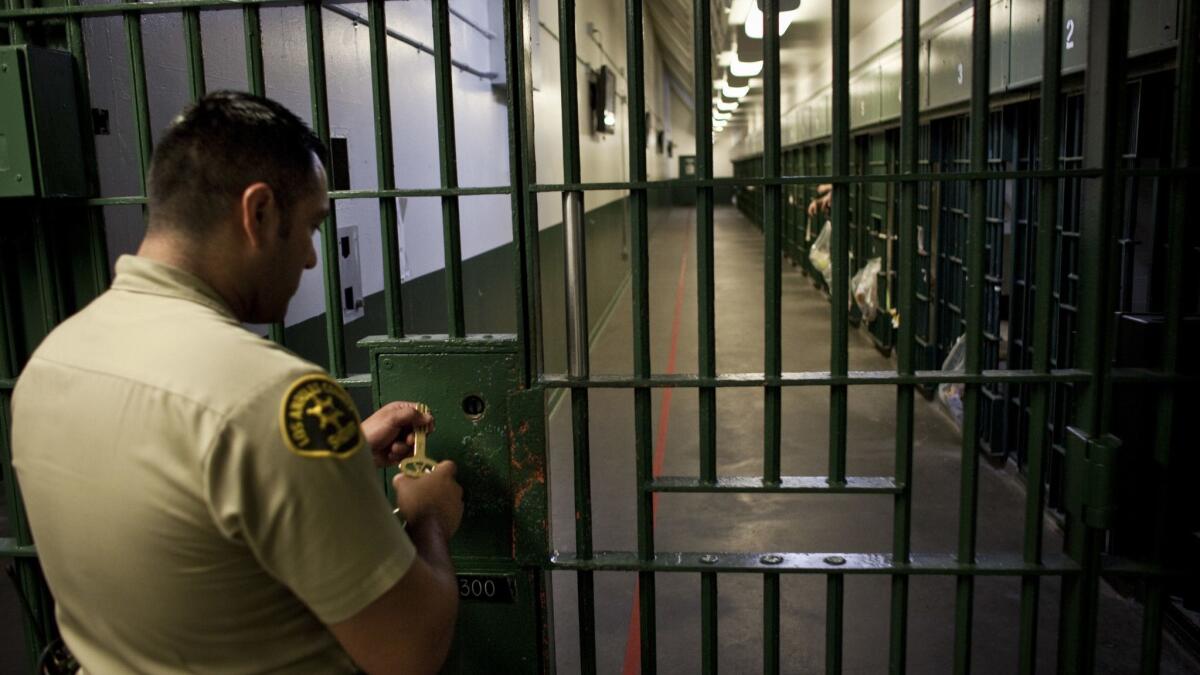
(480, 115)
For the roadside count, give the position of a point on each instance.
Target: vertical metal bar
(577, 322)
(968, 497)
(640, 262)
(314, 27)
(25, 568)
(772, 236)
(709, 635)
(252, 27)
(16, 28)
(1043, 316)
(706, 308)
(451, 239)
(1104, 86)
(385, 167)
(706, 316)
(193, 45)
(97, 243)
(141, 103)
(835, 590)
(9, 367)
(839, 358)
(47, 277)
(520, 164)
(770, 623)
(906, 275)
(256, 83)
(576, 277)
(1182, 158)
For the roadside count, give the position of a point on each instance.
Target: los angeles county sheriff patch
(318, 419)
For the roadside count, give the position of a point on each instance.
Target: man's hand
(390, 431)
(435, 495)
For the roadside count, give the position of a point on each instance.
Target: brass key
(418, 465)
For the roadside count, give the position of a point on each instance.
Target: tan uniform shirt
(201, 499)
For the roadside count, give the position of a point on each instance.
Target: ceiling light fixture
(735, 92)
(745, 68)
(717, 115)
(788, 10)
(725, 107)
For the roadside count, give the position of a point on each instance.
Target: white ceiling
(805, 49)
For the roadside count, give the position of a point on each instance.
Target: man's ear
(259, 214)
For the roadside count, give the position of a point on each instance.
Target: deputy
(203, 500)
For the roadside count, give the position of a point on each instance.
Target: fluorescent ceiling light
(754, 21)
(722, 115)
(726, 57)
(725, 107)
(720, 84)
(735, 92)
(745, 68)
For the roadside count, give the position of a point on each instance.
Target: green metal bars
(906, 274)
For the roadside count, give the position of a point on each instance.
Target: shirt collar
(138, 274)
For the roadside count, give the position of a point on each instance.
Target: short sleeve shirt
(202, 500)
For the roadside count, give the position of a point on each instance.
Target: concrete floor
(820, 523)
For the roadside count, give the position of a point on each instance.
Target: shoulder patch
(317, 418)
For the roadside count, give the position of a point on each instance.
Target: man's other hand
(390, 431)
(435, 495)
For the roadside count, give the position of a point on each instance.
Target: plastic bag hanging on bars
(950, 394)
(819, 255)
(864, 286)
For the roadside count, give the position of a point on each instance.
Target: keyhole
(473, 406)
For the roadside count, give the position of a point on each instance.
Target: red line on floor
(633, 640)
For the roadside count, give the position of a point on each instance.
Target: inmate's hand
(433, 495)
(390, 431)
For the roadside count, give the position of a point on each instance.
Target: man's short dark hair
(218, 147)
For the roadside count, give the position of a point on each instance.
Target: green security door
(489, 391)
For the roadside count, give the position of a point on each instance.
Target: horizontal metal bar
(1151, 377)
(359, 381)
(792, 484)
(815, 378)
(441, 343)
(938, 564)
(939, 177)
(117, 201)
(416, 44)
(715, 182)
(9, 548)
(347, 194)
(422, 192)
(113, 9)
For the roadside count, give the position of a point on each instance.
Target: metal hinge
(1098, 462)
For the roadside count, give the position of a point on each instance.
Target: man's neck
(178, 252)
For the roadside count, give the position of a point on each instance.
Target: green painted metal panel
(1027, 40)
(889, 87)
(495, 433)
(16, 142)
(950, 57)
(41, 148)
(950, 63)
(864, 97)
(445, 380)
(1153, 27)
